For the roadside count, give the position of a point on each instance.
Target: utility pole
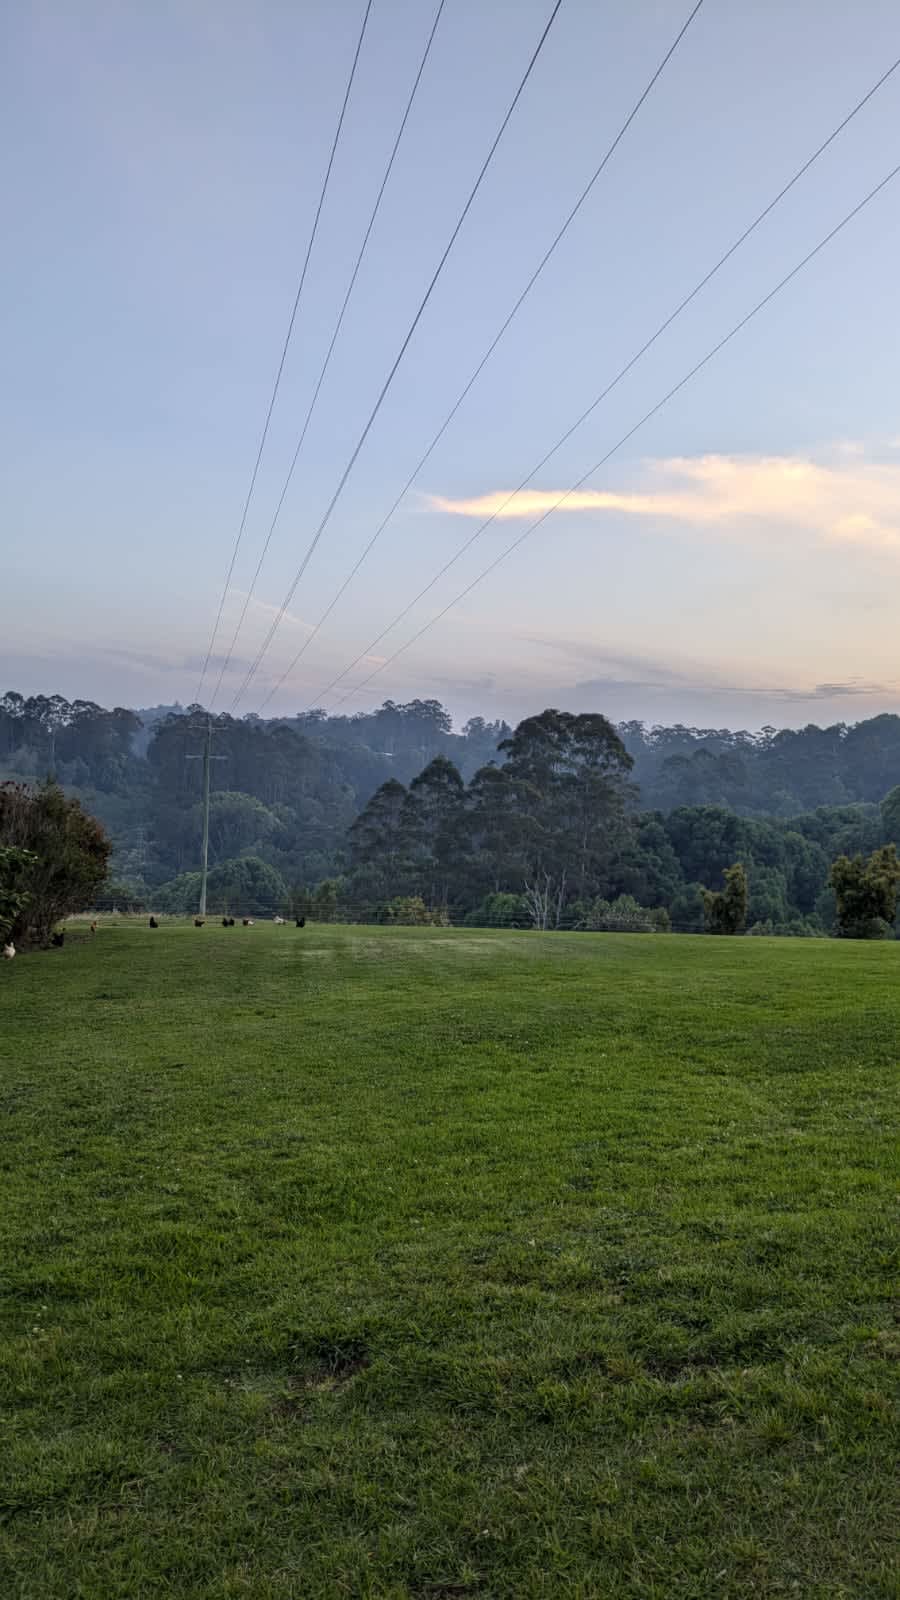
(206, 758)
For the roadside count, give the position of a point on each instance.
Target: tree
(767, 897)
(890, 815)
(866, 893)
(687, 909)
(500, 832)
(378, 836)
(726, 911)
(573, 770)
(544, 899)
(806, 870)
(408, 911)
(246, 886)
(647, 866)
(180, 895)
(500, 911)
(238, 823)
(625, 915)
(325, 899)
(15, 867)
(430, 819)
(70, 853)
(124, 896)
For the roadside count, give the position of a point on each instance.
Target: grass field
(416, 1263)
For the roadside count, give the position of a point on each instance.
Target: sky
(735, 563)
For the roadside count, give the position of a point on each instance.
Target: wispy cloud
(605, 671)
(262, 608)
(845, 499)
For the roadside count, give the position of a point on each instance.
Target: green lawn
(419, 1263)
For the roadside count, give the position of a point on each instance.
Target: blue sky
(739, 562)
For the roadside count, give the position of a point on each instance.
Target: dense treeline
(568, 819)
(773, 772)
(559, 819)
(286, 790)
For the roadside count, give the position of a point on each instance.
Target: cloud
(710, 685)
(262, 608)
(845, 500)
(837, 691)
(609, 670)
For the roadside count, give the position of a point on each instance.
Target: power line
(604, 393)
(284, 351)
(586, 191)
(334, 337)
(630, 434)
(401, 353)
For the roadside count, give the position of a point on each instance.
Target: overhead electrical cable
(399, 357)
(557, 240)
(287, 339)
(648, 415)
(573, 428)
(330, 351)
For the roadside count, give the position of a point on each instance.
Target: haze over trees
(567, 819)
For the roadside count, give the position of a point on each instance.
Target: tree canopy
(395, 802)
(54, 859)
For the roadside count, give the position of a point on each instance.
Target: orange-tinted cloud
(846, 499)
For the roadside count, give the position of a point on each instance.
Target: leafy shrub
(726, 911)
(410, 911)
(68, 851)
(687, 909)
(246, 885)
(866, 893)
(793, 928)
(500, 911)
(624, 915)
(15, 867)
(179, 895)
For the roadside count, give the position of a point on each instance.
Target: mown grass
(418, 1263)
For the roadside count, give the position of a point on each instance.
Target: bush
(179, 896)
(69, 854)
(500, 911)
(624, 915)
(794, 928)
(687, 909)
(246, 885)
(324, 900)
(410, 911)
(15, 867)
(122, 896)
(726, 912)
(866, 893)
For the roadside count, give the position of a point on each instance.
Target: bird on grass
(248, 922)
(199, 921)
(154, 923)
(301, 922)
(93, 927)
(56, 939)
(9, 951)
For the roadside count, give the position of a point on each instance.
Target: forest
(567, 820)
